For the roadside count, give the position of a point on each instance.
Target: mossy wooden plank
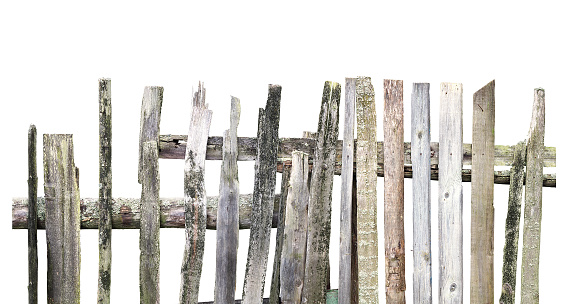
(32, 218)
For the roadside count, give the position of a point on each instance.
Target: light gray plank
(150, 115)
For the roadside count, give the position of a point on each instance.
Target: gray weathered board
(32, 219)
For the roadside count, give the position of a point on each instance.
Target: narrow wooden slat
(150, 116)
(511, 248)
(263, 196)
(63, 217)
(32, 218)
(228, 213)
(321, 185)
(450, 194)
(105, 191)
(421, 202)
(295, 232)
(150, 226)
(354, 246)
(345, 232)
(393, 127)
(275, 284)
(482, 212)
(195, 198)
(366, 158)
(533, 203)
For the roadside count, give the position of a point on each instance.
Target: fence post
(32, 215)
(450, 194)
(533, 203)
(63, 218)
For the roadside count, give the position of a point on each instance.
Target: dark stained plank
(32, 218)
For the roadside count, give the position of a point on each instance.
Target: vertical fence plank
(263, 197)
(105, 191)
(354, 252)
(421, 203)
(450, 194)
(63, 219)
(228, 213)
(295, 231)
(150, 115)
(510, 251)
(345, 267)
(195, 198)
(482, 212)
(275, 285)
(394, 192)
(32, 215)
(366, 175)
(321, 185)
(533, 203)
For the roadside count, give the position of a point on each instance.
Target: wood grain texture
(321, 186)
(450, 194)
(511, 248)
(393, 126)
(366, 158)
(263, 197)
(195, 198)
(150, 226)
(482, 212)
(63, 217)
(533, 203)
(228, 213)
(345, 232)
(293, 255)
(150, 116)
(421, 197)
(105, 191)
(32, 218)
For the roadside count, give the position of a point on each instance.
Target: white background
(53, 53)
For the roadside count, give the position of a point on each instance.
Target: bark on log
(32, 219)
(319, 209)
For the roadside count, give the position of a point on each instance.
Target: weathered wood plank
(533, 203)
(195, 198)
(482, 212)
(321, 185)
(151, 112)
(263, 196)
(63, 216)
(366, 158)
(150, 226)
(421, 199)
(275, 284)
(354, 253)
(393, 126)
(450, 194)
(228, 213)
(105, 191)
(511, 248)
(32, 218)
(295, 231)
(345, 241)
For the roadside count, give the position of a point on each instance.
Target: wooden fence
(302, 211)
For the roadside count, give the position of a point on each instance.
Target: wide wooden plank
(482, 212)
(366, 158)
(63, 217)
(150, 115)
(295, 231)
(32, 218)
(345, 232)
(421, 199)
(511, 248)
(105, 191)
(533, 203)
(450, 194)
(263, 197)
(228, 213)
(195, 198)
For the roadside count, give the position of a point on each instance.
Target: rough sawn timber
(32, 219)
(150, 116)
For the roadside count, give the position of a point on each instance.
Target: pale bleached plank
(321, 186)
(195, 198)
(228, 213)
(482, 212)
(450, 194)
(421, 199)
(32, 218)
(366, 158)
(263, 197)
(150, 115)
(533, 203)
(295, 232)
